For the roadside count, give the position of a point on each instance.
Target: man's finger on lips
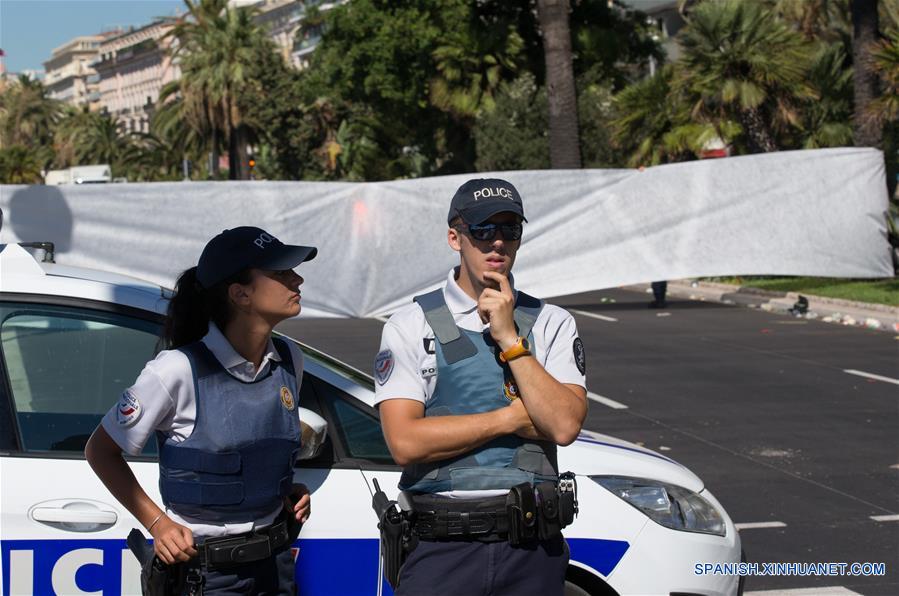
(501, 280)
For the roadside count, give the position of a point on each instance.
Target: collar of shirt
(234, 363)
(460, 303)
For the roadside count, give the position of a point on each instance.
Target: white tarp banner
(817, 213)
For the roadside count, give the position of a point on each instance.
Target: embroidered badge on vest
(510, 390)
(287, 398)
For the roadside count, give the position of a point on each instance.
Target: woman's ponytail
(188, 316)
(193, 307)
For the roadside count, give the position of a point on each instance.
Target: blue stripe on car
(324, 565)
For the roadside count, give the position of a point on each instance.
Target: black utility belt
(526, 514)
(226, 551)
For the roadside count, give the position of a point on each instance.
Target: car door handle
(74, 516)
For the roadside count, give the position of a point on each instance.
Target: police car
(73, 339)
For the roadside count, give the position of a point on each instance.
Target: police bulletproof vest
(237, 465)
(470, 380)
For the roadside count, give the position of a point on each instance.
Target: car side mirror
(313, 433)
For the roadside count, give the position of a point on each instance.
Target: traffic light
(252, 164)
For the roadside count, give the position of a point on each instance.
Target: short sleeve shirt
(163, 398)
(406, 366)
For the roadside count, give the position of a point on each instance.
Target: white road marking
(828, 591)
(884, 517)
(759, 525)
(606, 401)
(593, 315)
(861, 373)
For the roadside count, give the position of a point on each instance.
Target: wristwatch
(521, 348)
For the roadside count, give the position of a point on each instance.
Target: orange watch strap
(516, 351)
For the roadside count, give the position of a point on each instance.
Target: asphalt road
(757, 404)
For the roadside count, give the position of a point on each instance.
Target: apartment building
(133, 67)
(70, 76)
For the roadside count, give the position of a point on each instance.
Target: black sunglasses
(487, 231)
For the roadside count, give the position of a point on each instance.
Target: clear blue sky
(30, 29)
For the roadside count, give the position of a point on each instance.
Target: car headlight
(671, 506)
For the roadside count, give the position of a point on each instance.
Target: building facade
(70, 76)
(294, 25)
(133, 68)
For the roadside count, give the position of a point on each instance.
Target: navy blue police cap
(247, 247)
(479, 199)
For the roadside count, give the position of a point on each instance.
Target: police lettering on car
(221, 404)
(482, 385)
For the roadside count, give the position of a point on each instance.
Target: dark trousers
(485, 568)
(275, 575)
(659, 289)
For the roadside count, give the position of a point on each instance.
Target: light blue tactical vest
(237, 465)
(470, 380)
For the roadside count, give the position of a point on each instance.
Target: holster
(396, 535)
(159, 579)
(521, 505)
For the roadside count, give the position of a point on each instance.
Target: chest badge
(510, 390)
(287, 398)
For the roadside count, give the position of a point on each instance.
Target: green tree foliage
(20, 165)
(218, 47)
(644, 113)
(28, 117)
(827, 119)
(742, 63)
(514, 135)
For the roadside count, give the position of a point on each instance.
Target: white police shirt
(406, 365)
(163, 399)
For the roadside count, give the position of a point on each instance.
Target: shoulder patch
(580, 358)
(383, 366)
(128, 410)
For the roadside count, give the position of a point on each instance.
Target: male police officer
(476, 384)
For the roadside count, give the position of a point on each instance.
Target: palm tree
(651, 122)
(885, 62)
(564, 139)
(744, 64)
(218, 50)
(864, 36)
(471, 69)
(27, 118)
(20, 165)
(826, 121)
(188, 124)
(825, 20)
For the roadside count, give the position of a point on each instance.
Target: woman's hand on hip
(300, 503)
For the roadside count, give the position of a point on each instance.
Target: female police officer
(223, 405)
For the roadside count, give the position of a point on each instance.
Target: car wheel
(579, 582)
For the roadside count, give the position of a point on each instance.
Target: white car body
(62, 532)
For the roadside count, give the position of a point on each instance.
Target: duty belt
(526, 514)
(440, 518)
(253, 546)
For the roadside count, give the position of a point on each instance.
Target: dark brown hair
(193, 306)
